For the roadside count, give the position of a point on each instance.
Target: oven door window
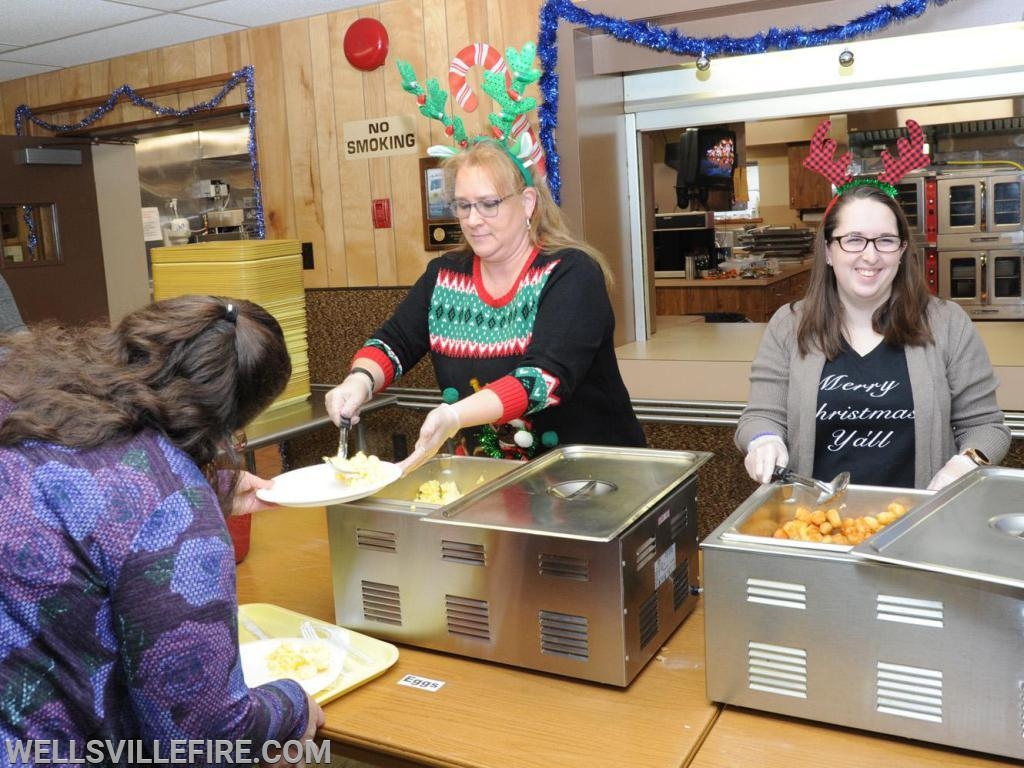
(1006, 276)
(963, 278)
(909, 196)
(963, 205)
(1006, 203)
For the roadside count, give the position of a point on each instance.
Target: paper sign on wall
(381, 137)
(151, 225)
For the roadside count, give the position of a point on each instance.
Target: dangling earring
(527, 223)
(828, 262)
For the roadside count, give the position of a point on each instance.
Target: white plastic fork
(334, 636)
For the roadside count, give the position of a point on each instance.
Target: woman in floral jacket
(118, 607)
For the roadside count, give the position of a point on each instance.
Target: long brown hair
(548, 228)
(902, 320)
(196, 368)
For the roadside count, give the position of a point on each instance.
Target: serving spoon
(828, 490)
(338, 460)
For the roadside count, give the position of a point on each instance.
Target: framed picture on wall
(440, 229)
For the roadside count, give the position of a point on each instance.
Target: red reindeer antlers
(911, 156)
(821, 157)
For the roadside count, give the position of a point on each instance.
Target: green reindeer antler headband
(504, 80)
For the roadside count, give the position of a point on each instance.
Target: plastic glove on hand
(440, 424)
(955, 468)
(347, 398)
(764, 453)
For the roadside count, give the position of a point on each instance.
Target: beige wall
(773, 171)
(305, 91)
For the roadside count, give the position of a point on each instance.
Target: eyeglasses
(488, 207)
(857, 243)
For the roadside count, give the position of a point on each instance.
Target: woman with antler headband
(517, 321)
(870, 373)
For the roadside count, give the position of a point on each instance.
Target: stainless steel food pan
(579, 563)
(917, 632)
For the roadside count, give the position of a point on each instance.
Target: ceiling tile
(27, 22)
(258, 14)
(144, 35)
(44, 35)
(164, 5)
(12, 70)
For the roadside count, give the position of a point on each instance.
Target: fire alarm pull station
(382, 213)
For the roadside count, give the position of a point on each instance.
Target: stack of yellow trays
(267, 272)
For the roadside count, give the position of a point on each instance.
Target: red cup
(240, 528)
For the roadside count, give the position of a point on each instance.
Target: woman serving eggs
(517, 320)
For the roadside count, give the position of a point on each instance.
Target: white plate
(254, 657)
(318, 485)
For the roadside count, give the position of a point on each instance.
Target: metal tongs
(828, 490)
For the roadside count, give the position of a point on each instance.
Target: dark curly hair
(187, 367)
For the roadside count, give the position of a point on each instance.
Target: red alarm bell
(366, 44)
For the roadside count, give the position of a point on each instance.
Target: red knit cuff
(512, 394)
(381, 359)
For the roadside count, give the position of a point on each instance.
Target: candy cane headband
(503, 82)
(821, 159)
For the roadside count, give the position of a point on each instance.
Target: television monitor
(707, 161)
(716, 158)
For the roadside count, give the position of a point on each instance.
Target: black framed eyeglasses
(488, 207)
(857, 243)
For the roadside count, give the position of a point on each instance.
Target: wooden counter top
(744, 737)
(486, 715)
(732, 282)
(493, 716)
(685, 360)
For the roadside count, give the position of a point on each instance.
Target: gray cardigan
(10, 318)
(952, 382)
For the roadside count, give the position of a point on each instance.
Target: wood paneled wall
(305, 91)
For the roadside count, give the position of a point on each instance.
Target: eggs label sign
(423, 683)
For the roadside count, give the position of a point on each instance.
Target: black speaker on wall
(686, 168)
(672, 155)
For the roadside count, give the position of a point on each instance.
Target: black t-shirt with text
(864, 422)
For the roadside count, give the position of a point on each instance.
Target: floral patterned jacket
(118, 609)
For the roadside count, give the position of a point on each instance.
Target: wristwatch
(977, 457)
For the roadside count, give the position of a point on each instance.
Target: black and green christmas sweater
(546, 348)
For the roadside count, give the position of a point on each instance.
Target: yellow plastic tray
(367, 657)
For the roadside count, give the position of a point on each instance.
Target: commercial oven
(980, 209)
(986, 283)
(917, 195)
(980, 241)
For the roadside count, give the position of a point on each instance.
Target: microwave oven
(679, 235)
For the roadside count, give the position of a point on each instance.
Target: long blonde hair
(548, 229)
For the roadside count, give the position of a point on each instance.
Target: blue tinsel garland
(673, 41)
(245, 74)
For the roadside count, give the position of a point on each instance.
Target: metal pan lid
(973, 528)
(575, 491)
